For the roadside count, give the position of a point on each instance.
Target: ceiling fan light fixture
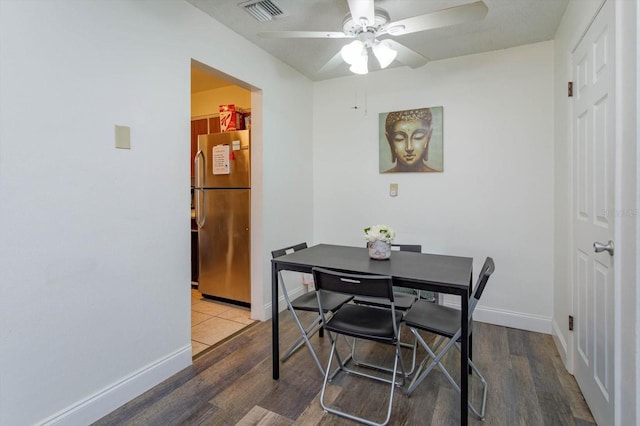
(360, 66)
(352, 52)
(365, 23)
(383, 53)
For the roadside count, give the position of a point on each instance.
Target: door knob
(598, 247)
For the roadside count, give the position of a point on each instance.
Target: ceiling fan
(368, 25)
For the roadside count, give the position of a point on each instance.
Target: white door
(593, 118)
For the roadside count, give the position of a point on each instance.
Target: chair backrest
(483, 277)
(282, 252)
(416, 248)
(287, 250)
(352, 284)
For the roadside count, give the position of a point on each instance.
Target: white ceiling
(508, 23)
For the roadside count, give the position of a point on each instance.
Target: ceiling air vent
(262, 10)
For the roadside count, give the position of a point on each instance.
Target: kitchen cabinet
(214, 124)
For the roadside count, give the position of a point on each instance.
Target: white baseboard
(519, 320)
(105, 401)
(282, 305)
(511, 319)
(563, 347)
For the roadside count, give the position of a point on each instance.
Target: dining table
(421, 271)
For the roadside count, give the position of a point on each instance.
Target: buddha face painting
(408, 134)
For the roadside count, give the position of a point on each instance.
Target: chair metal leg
(421, 375)
(413, 346)
(483, 382)
(300, 341)
(341, 363)
(341, 367)
(305, 337)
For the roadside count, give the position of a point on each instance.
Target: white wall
(94, 241)
(495, 197)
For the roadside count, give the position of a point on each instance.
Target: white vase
(379, 250)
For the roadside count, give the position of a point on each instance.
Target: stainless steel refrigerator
(223, 200)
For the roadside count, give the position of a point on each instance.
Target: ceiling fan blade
(332, 63)
(439, 19)
(362, 9)
(407, 56)
(303, 34)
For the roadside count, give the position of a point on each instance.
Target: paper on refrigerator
(221, 160)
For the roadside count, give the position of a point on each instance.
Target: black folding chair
(445, 322)
(359, 322)
(306, 302)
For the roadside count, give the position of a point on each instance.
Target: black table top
(408, 269)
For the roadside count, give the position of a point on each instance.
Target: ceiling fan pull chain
(355, 94)
(355, 97)
(365, 95)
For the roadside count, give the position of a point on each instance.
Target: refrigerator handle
(200, 170)
(200, 213)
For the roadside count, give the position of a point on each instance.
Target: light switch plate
(393, 190)
(123, 137)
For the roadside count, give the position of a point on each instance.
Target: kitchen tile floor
(212, 322)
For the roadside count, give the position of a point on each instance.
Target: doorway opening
(220, 225)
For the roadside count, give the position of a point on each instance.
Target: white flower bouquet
(379, 233)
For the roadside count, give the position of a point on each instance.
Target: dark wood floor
(231, 384)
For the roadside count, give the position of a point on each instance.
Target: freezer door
(239, 160)
(225, 244)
